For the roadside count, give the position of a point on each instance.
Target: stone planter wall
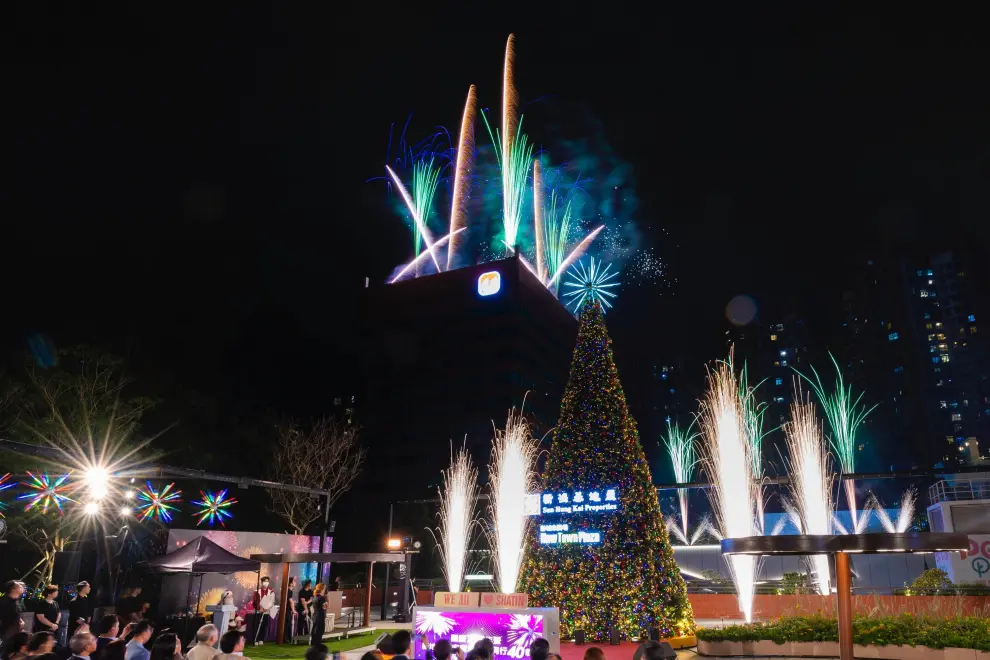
(765, 648)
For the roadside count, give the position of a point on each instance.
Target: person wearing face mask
(264, 600)
(232, 646)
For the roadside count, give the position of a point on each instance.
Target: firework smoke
(538, 219)
(462, 173)
(811, 479)
(680, 447)
(460, 489)
(840, 409)
(512, 475)
(726, 459)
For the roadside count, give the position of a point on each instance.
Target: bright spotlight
(125, 511)
(394, 544)
(98, 481)
(129, 494)
(92, 508)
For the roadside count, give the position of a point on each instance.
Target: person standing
(401, 641)
(143, 631)
(302, 606)
(290, 609)
(80, 608)
(107, 631)
(10, 609)
(264, 600)
(46, 611)
(82, 645)
(319, 615)
(167, 647)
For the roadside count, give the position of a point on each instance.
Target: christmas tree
(628, 579)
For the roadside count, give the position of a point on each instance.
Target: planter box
(904, 652)
(982, 655)
(719, 648)
(827, 649)
(866, 651)
(802, 648)
(959, 654)
(768, 647)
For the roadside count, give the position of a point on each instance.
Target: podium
(222, 615)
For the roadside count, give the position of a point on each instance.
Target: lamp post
(842, 546)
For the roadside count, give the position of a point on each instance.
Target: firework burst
(213, 507)
(557, 227)
(424, 188)
(680, 448)
(904, 516)
(845, 414)
(46, 491)
(158, 505)
(422, 232)
(811, 479)
(726, 459)
(590, 284)
(512, 475)
(460, 489)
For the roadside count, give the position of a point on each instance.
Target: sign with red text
(451, 599)
(504, 600)
(972, 566)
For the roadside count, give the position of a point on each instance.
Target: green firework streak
(424, 187)
(557, 226)
(515, 170)
(752, 413)
(680, 447)
(844, 414)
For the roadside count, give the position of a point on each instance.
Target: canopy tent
(200, 556)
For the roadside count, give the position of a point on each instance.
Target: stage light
(92, 508)
(394, 544)
(129, 495)
(97, 481)
(478, 577)
(125, 511)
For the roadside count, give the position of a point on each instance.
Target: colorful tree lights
(45, 491)
(158, 505)
(630, 579)
(213, 507)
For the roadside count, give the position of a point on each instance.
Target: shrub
(930, 582)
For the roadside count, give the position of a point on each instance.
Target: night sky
(191, 190)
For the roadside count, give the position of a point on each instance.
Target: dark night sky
(191, 188)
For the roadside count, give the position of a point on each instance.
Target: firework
(462, 173)
(575, 254)
(514, 165)
(418, 260)
(843, 417)
(752, 411)
(213, 507)
(904, 516)
(45, 491)
(460, 488)
(557, 227)
(509, 99)
(811, 479)
(425, 179)
(646, 266)
(591, 284)
(158, 505)
(512, 475)
(420, 225)
(726, 460)
(541, 273)
(680, 447)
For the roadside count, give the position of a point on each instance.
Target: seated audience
(206, 641)
(231, 646)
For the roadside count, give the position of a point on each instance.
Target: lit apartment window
(783, 363)
(924, 293)
(931, 281)
(956, 417)
(972, 329)
(943, 404)
(779, 381)
(773, 337)
(931, 337)
(893, 336)
(972, 318)
(938, 324)
(928, 326)
(945, 358)
(929, 273)
(941, 336)
(949, 439)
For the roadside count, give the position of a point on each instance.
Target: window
(776, 363)
(928, 315)
(783, 353)
(941, 336)
(943, 347)
(773, 337)
(783, 363)
(663, 376)
(935, 359)
(928, 326)
(949, 439)
(778, 399)
(898, 370)
(931, 281)
(923, 293)
(931, 337)
(929, 273)
(672, 390)
(956, 417)
(943, 404)
(779, 381)
(972, 318)
(893, 336)
(945, 358)
(965, 402)
(938, 324)
(972, 329)
(920, 272)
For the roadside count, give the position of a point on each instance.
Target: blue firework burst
(592, 283)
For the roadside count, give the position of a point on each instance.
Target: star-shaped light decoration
(160, 505)
(45, 491)
(213, 507)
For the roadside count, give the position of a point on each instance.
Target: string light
(213, 507)
(45, 491)
(159, 505)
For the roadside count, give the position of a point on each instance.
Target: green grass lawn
(297, 651)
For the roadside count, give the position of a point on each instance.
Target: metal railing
(959, 489)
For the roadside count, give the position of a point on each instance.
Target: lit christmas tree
(629, 579)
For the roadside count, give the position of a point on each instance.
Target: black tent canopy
(201, 556)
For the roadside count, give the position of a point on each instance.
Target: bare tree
(327, 455)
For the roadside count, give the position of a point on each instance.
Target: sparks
(418, 260)
(420, 224)
(575, 254)
(213, 507)
(512, 475)
(905, 515)
(514, 165)
(425, 179)
(752, 411)
(460, 489)
(159, 505)
(557, 227)
(811, 479)
(541, 271)
(46, 491)
(462, 173)
(593, 283)
(726, 459)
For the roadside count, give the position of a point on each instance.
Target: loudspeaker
(613, 635)
(579, 637)
(66, 568)
(654, 634)
(668, 651)
(384, 643)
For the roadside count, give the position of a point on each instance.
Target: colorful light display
(46, 491)
(5, 483)
(158, 505)
(213, 508)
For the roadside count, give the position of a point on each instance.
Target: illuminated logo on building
(489, 283)
(563, 512)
